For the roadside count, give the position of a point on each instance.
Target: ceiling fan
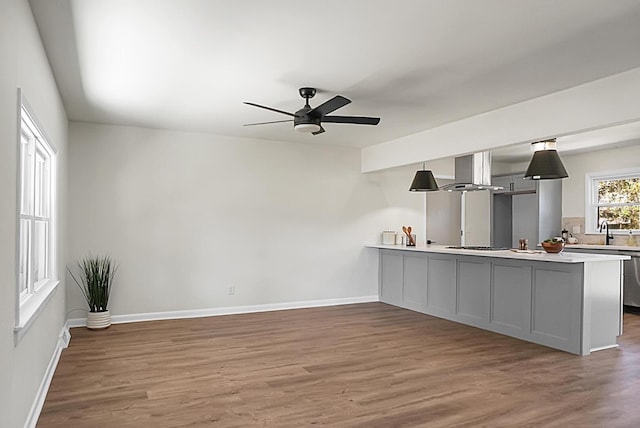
(309, 119)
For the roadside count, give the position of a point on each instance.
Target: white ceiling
(417, 64)
(618, 136)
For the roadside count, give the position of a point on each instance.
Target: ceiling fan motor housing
(302, 118)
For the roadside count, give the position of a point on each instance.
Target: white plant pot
(98, 320)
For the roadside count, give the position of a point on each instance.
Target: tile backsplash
(570, 223)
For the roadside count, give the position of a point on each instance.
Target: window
(613, 197)
(37, 276)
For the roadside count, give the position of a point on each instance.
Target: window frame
(591, 197)
(31, 299)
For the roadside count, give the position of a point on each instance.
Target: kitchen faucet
(605, 225)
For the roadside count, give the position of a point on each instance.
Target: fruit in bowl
(553, 245)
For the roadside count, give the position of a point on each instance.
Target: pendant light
(423, 181)
(545, 163)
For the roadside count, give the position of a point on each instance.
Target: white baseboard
(41, 394)
(197, 313)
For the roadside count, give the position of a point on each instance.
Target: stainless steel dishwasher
(632, 282)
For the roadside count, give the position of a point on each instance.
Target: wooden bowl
(553, 247)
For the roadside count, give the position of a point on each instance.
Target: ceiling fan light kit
(545, 163)
(307, 127)
(309, 120)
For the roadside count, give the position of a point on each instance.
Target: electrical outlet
(64, 339)
(576, 229)
(231, 290)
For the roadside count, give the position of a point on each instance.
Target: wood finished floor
(365, 365)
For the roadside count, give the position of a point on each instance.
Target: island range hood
(472, 172)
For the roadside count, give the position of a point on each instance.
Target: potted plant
(94, 276)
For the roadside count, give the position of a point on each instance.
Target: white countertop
(603, 247)
(536, 255)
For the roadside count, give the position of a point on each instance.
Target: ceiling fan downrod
(307, 93)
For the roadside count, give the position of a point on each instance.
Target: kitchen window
(37, 276)
(613, 197)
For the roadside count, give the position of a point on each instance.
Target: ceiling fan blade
(328, 106)
(270, 108)
(266, 123)
(320, 131)
(358, 120)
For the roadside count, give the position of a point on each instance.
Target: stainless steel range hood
(472, 172)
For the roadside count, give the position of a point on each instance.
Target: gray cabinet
(574, 307)
(414, 282)
(473, 290)
(521, 184)
(391, 275)
(403, 279)
(441, 285)
(504, 181)
(524, 219)
(631, 269)
(510, 298)
(535, 216)
(556, 306)
(514, 183)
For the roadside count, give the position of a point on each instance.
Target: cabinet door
(511, 299)
(441, 286)
(522, 185)
(556, 310)
(474, 291)
(391, 277)
(414, 285)
(503, 181)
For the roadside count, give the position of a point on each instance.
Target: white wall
(597, 159)
(604, 102)
(505, 168)
(444, 215)
(477, 218)
(188, 215)
(24, 65)
(579, 165)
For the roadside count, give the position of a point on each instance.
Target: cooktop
(477, 247)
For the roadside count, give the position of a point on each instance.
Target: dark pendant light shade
(423, 182)
(546, 164)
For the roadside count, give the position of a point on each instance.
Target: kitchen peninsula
(567, 301)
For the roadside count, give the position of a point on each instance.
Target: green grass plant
(94, 275)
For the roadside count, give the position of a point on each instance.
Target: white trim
(23, 102)
(463, 218)
(617, 173)
(197, 313)
(589, 194)
(41, 394)
(29, 310)
(426, 218)
(588, 203)
(16, 238)
(602, 348)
